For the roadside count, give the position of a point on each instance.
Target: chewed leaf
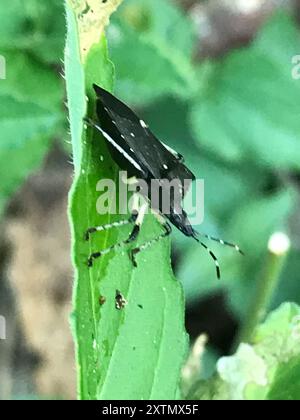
(133, 348)
(92, 17)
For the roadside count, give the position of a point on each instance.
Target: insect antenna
(220, 241)
(218, 271)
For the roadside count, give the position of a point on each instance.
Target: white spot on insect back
(132, 134)
(143, 124)
(165, 166)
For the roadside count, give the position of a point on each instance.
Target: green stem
(266, 284)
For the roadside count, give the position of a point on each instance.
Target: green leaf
(26, 129)
(254, 222)
(151, 46)
(160, 20)
(35, 26)
(28, 120)
(135, 353)
(251, 226)
(266, 369)
(249, 109)
(289, 287)
(29, 80)
(31, 98)
(286, 384)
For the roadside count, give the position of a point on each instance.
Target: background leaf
(160, 62)
(267, 369)
(31, 110)
(234, 117)
(240, 115)
(34, 27)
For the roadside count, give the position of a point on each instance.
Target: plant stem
(266, 284)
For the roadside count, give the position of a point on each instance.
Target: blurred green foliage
(266, 369)
(235, 119)
(249, 110)
(31, 104)
(237, 128)
(151, 45)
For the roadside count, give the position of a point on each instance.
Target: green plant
(265, 369)
(235, 119)
(146, 344)
(147, 341)
(31, 116)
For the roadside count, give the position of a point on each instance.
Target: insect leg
(90, 122)
(167, 231)
(108, 226)
(132, 237)
(132, 219)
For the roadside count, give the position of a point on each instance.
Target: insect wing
(136, 140)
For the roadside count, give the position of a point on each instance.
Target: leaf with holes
(135, 352)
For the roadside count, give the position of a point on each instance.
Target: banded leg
(133, 253)
(132, 237)
(109, 226)
(132, 219)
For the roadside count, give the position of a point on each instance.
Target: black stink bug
(137, 151)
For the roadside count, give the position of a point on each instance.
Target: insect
(137, 151)
(120, 301)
